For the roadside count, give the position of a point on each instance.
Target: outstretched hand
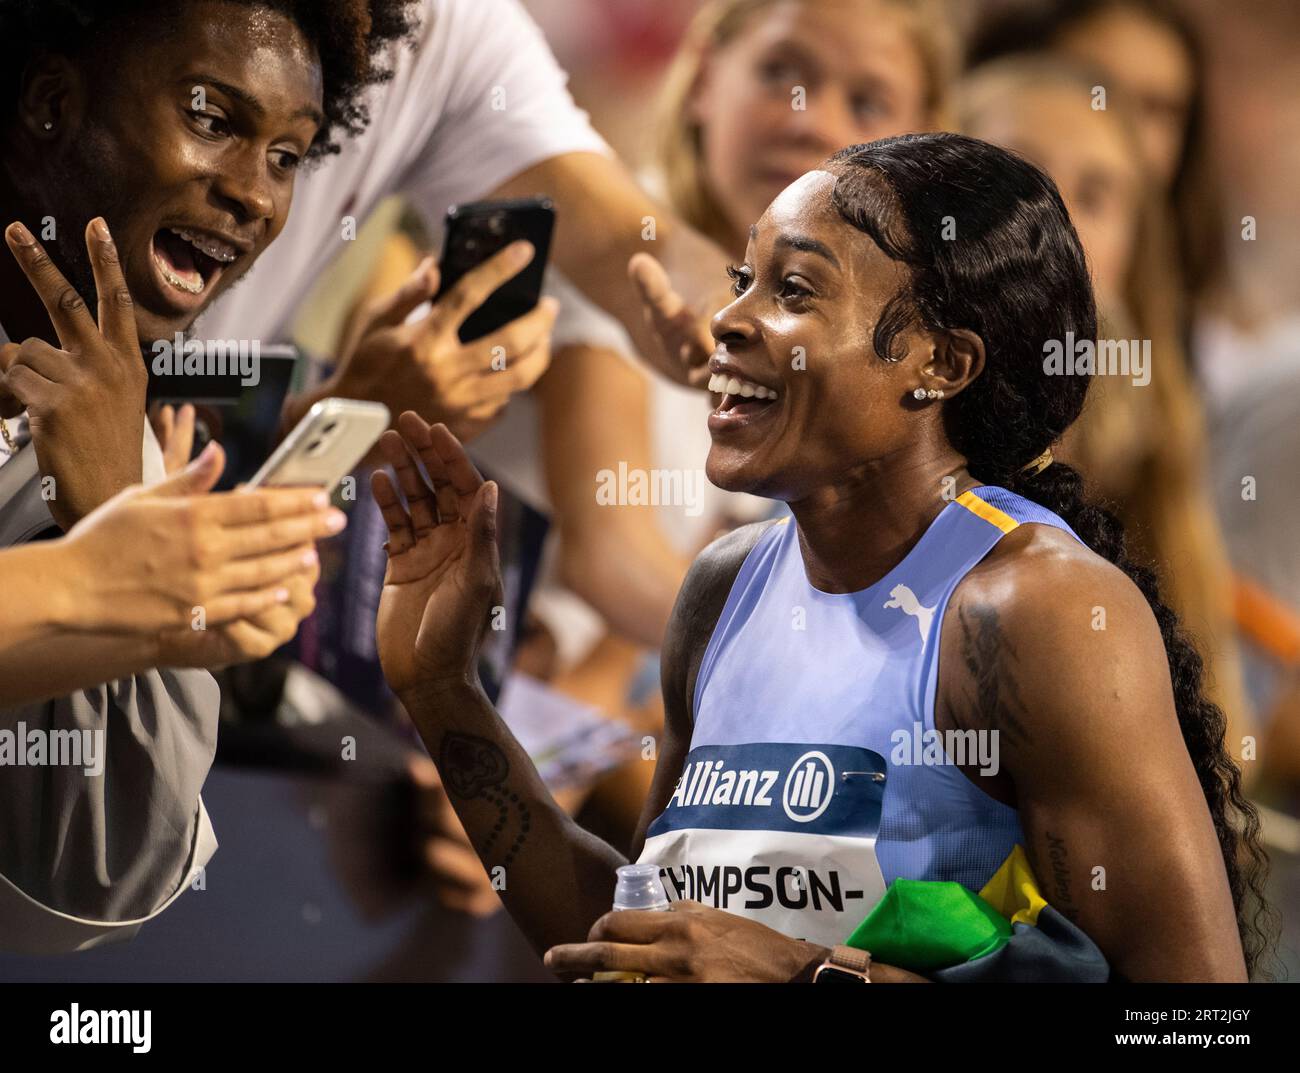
(680, 342)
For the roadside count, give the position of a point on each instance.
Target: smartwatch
(846, 965)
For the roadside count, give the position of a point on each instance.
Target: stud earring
(48, 124)
(934, 393)
(920, 393)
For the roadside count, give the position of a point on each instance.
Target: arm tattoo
(1058, 859)
(477, 768)
(990, 659)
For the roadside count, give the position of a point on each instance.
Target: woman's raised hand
(444, 573)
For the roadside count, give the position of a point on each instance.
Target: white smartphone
(326, 445)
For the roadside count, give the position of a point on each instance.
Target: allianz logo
(806, 792)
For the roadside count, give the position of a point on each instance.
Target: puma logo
(905, 600)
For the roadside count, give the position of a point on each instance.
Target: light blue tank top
(814, 778)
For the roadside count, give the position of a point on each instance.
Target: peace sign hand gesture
(85, 402)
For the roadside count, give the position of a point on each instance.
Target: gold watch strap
(850, 957)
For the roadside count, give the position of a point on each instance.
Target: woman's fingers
(195, 479)
(400, 537)
(264, 571)
(465, 479)
(419, 498)
(417, 434)
(683, 334)
(283, 533)
(233, 606)
(253, 506)
(606, 957)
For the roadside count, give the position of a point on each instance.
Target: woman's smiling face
(807, 301)
(188, 146)
(799, 82)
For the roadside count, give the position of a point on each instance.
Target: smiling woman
(941, 576)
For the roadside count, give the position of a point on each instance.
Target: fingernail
(101, 229)
(521, 253)
(20, 234)
(320, 500)
(309, 557)
(281, 596)
(492, 495)
(206, 455)
(336, 520)
(425, 265)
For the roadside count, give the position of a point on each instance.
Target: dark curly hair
(990, 248)
(349, 36)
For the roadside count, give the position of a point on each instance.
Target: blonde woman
(1141, 439)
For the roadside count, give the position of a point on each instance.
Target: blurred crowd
(1172, 128)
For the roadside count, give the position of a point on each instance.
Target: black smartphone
(243, 416)
(475, 232)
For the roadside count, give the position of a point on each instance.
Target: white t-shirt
(476, 99)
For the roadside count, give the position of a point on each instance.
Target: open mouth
(741, 399)
(190, 261)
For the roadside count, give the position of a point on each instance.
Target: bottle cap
(639, 888)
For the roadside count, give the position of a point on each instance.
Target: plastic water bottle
(639, 888)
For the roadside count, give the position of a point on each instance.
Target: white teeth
(721, 384)
(213, 247)
(176, 281)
